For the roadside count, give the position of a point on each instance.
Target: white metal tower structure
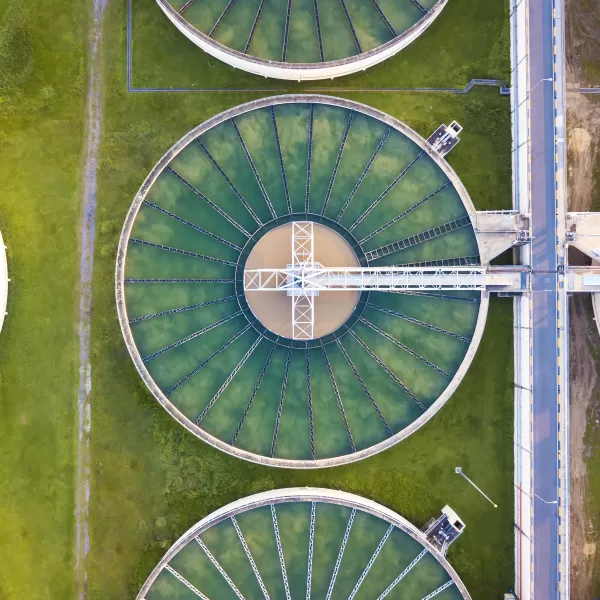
(303, 303)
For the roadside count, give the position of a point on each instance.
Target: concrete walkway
(3, 281)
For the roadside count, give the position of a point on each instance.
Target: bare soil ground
(583, 119)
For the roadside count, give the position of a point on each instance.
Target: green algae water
(229, 376)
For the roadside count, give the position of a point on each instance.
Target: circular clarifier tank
(303, 39)
(304, 543)
(221, 359)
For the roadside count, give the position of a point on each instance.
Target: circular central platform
(274, 309)
(222, 200)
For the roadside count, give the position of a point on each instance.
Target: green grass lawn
(470, 39)
(41, 133)
(151, 479)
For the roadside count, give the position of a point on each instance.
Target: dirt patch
(86, 262)
(583, 118)
(580, 140)
(583, 391)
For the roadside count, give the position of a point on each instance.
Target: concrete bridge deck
(583, 279)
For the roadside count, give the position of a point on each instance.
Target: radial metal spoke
(439, 590)
(182, 252)
(384, 18)
(250, 558)
(286, 32)
(371, 561)
(364, 173)
(185, 582)
(226, 177)
(404, 213)
(338, 398)
(283, 176)
(138, 280)
(352, 30)
(310, 406)
(253, 168)
(308, 162)
(219, 568)
(281, 398)
(388, 371)
(338, 561)
(385, 192)
(311, 547)
(419, 6)
(206, 361)
(364, 387)
(318, 22)
(419, 238)
(254, 24)
(280, 552)
(253, 395)
(402, 575)
(420, 323)
(185, 7)
(388, 337)
(209, 202)
(229, 379)
(220, 19)
(337, 161)
(192, 336)
(174, 311)
(193, 225)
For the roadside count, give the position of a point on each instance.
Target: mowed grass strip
(152, 480)
(41, 139)
(469, 39)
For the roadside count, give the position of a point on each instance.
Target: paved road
(544, 300)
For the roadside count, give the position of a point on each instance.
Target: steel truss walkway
(304, 278)
(316, 278)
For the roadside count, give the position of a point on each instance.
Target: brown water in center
(274, 309)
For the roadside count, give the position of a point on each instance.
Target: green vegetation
(581, 308)
(151, 479)
(444, 56)
(583, 41)
(41, 132)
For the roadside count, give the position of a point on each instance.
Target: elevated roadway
(548, 299)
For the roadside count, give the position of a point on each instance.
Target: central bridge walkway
(315, 279)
